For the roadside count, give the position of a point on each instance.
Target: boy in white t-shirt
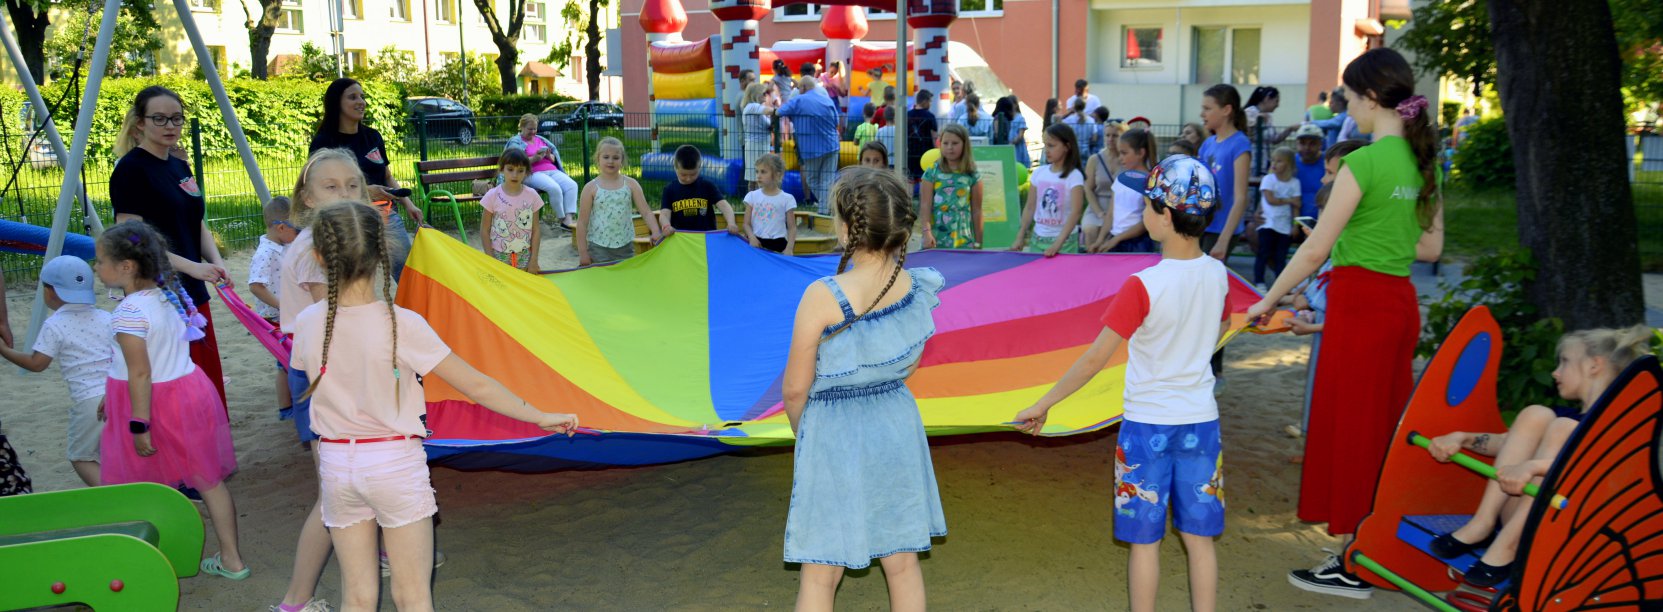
(77, 336)
(1167, 455)
(265, 273)
(769, 209)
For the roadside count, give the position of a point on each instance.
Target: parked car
(447, 119)
(571, 116)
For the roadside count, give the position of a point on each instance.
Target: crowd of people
(148, 401)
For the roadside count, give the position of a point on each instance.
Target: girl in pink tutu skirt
(164, 420)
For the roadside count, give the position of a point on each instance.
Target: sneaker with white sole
(313, 605)
(1330, 578)
(387, 568)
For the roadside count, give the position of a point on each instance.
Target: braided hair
(351, 239)
(139, 243)
(878, 211)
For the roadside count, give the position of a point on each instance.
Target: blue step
(1418, 531)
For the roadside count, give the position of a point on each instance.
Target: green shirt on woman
(1382, 233)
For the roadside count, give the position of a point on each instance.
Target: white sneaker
(313, 605)
(387, 568)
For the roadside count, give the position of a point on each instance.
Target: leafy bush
(1448, 112)
(515, 105)
(277, 114)
(1529, 342)
(1486, 155)
(447, 80)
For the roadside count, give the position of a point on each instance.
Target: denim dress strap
(842, 300)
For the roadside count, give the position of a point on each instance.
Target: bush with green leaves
(516, 104)
(1529, 341)
(1485, 158)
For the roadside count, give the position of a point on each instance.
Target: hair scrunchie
(1412, 107)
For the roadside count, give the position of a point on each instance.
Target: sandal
(213, 565)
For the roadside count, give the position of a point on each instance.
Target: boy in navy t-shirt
(691, 203)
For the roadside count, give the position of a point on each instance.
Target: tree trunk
(510, 56)
(1563, 103)
(259, 34)
(592, 49)
(31, 36)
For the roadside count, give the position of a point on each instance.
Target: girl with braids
(164, 422)
(862, 485)
(1384, 211)
(364, 356)
(152, 183)
(330, 175)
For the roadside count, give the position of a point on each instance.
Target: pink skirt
(188, 428)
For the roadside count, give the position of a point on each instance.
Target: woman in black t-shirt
(152, 183)
(342, 127)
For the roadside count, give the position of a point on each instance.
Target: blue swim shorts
(1162, 466)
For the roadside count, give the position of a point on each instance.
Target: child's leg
(1203, 572)
(1143, 576)
(311, 551)
(82, 439)
(223, 512)
(1277, 244)
(817, 587)
(285, 401)
(569, 190)
(1261, 257)
(1522, 440)
(88, 471)
(360, 572)
(410, 553)
(1506, 546)
(906, 582)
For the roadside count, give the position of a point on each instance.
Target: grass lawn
(1483, 221)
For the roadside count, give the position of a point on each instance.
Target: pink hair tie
(1411, 108)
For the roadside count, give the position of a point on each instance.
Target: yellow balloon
(929, 159)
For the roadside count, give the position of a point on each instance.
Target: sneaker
(387, 568)
(1330, 578)
(313, 605)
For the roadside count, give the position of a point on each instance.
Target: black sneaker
(1330, 578)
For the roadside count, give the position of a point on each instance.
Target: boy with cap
(1167, 456)
(1309, 167)
(77, 336)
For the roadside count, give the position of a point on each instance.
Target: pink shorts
(385, 481)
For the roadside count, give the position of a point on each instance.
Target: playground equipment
(1594, 538)
(34, 240)
(118, 547)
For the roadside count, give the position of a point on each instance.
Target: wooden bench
(431, 173)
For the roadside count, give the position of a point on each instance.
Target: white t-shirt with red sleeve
(1170, 315)
(355, 398)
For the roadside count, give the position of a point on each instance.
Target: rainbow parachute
(677, 354)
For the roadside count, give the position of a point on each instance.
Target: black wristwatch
(138, 427)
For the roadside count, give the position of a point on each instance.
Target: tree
(573, 14)
(314, 64)
(507, 40)
(132, 46)
(448, 80)
(30, 20)
(260, 28)
(1453, 38)
(1560, 95)
(390, 65)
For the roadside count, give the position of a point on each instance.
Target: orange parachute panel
(679, 58)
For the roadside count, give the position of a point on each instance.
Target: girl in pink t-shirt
(164, 419)
(369, 410)
(508, 227)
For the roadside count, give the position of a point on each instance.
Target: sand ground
(1029, 520)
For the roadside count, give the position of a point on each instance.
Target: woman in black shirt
(343, 127)
(152, 183)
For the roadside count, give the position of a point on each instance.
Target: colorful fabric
(1382, 233)
(610, 222)
(1168, 468)
(951, 221)
(595, 342)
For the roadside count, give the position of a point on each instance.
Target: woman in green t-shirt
(1384, 212)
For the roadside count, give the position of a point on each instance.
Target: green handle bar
(1558, 502)
(1408, 587)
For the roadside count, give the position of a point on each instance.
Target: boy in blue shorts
(1167, 456)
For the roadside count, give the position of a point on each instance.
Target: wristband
(138, 426)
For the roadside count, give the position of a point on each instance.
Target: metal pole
(77, 153)
(901, 87)
(337, 23)
(1055, 86)
(16, 54)
(211, 73)
(462, 49)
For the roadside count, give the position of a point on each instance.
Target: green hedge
(516, 105)
(275, 115)
(1485, 158)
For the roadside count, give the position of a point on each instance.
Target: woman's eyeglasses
(164, 120)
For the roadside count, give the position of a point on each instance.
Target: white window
(444, 11)
(812, 12)
(205, 6)
(293, 20)
(218, 53)
(352, 9)
(398, 10)
(356, 60)
(534, 11)
(1226, 55)
(533, 33)
(981, 8)
(1140, 47)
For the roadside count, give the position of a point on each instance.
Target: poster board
(1001, 203)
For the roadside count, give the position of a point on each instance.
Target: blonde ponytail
(1618, 347)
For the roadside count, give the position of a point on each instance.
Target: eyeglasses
(281, 223)
(164, 120)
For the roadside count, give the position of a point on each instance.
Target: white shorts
(84, 430)
(385, 481)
